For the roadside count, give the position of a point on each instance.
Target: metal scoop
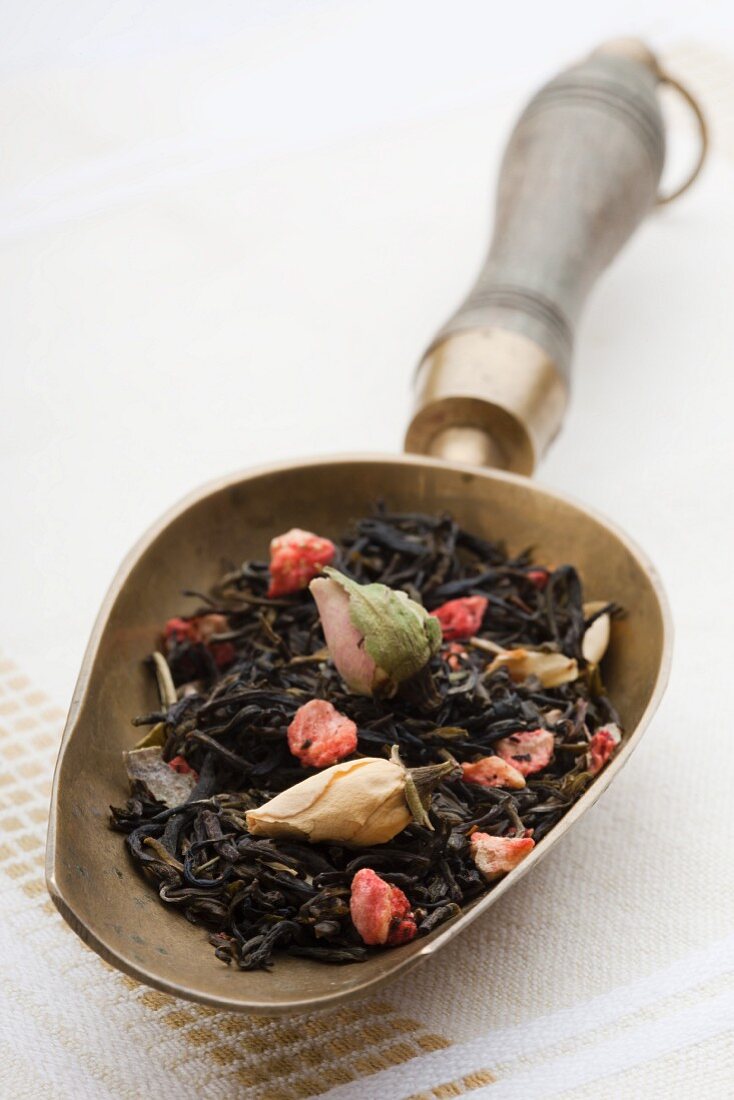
(581, 170)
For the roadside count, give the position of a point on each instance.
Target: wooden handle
(580, 172)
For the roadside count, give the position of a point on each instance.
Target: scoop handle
(580, 172)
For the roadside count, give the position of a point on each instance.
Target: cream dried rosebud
(596, 637)
(493, 771)
(377, 637)
(494, 856)
(602, 747)
(359, 802)
(529, 751)
(552, 669)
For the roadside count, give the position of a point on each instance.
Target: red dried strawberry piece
(178, 631)
(182, 766)
(461, 618)
(223, 653)
(199, 631)
(539, 577)
(380, 912)
(529, 751)
(402, 932)
(296, 557)
(493, 771)
(320, 736)
(496, 855)
(603, 746)
(208, 625)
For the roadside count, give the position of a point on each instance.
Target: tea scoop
(581, 171)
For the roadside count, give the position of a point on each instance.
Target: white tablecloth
(227, 236)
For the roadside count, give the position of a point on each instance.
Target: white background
(228, 231)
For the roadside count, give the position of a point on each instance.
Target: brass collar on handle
(581, 171)
(487, 397)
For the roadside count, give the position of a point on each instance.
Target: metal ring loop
(702, 129)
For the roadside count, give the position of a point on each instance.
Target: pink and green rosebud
(377, 637)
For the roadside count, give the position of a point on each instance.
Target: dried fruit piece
(377, 636)
(209, 625)
(596, 637)
(494, 856)
(552, 669)
(179, 630)
(453, 655)
(181, 765)
(296, 557)
(529, 751)
(538, 577)
(461, 618)
(493, 771)
(319, 735)
(380, 912)
(602, 747)
(199, 631)
(200, 628)
(148, 768)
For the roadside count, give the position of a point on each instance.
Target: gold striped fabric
(259, 1057)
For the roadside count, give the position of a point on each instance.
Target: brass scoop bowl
(581, 170)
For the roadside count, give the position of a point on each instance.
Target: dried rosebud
(295, 559)
(319, 735)
(596, 637)
(461, 618)
(380, 912)
(528, 751)
(552, 669)
(359, 802)
(538, 577)
(602, 747)
(494, 856)
(493, 771)
(377, 637)
(181, 765)
(199, 631)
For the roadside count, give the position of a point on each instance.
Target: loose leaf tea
(323, 821)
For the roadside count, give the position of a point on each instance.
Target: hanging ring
(703, 131)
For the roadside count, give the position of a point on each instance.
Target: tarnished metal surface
(90, 878)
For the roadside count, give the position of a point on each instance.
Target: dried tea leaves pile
(326, 802)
